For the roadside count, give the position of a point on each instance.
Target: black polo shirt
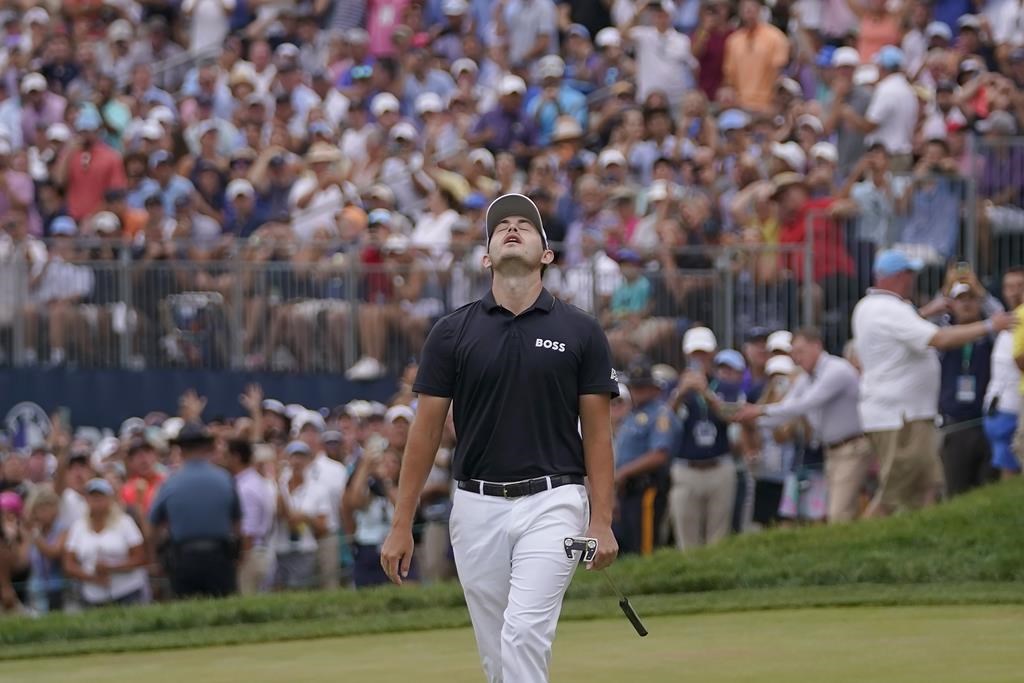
(515, 382)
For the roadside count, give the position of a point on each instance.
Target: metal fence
(106, 308)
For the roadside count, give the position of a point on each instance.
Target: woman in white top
(433, 231)
(104, 551)
(302, 509)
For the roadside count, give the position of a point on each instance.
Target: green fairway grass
(979, 644)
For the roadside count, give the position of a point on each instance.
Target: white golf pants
(512, 565)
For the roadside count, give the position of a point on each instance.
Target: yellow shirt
(1018, 341)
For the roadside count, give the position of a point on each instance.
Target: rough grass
(965, 551)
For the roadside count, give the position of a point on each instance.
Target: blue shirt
(199, 501)
(704, 434)
(934, 219)
(965, 376)
(650, 427)
(176, 188)
(570, 102)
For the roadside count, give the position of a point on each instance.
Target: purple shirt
(506, 128)
(50, 112)
(258, 505)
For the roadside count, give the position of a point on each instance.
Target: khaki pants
(701, 502)
(846, 470)
(433, 553)
(254, 570)
(909, 466)
(328, 562)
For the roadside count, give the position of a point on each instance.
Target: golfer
(527, 373)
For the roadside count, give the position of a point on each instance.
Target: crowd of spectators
(321, 168)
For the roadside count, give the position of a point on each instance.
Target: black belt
(518, 489)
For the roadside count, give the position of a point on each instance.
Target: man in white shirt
(892, 114)
(900, 383)
(664, 60)
(332, 476)
(304, 509)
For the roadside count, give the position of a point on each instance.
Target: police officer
(200, 509)
(531, 381)
(643, 445)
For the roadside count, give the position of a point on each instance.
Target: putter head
(587, 546)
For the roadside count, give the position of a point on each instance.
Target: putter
(588, 551)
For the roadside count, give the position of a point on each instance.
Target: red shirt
(829, 247)
(90, 174)
(130, 492)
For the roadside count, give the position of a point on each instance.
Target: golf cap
(812, 122)
(106, 223)
(464, 65)
(611, 157)
(733, 119)
(892, 262)
(970, 21)
(58, 132)
(825, 151)
(399, 412)
(939, 29)
(890, 57)
(100, 486)
(512, 84)
(699, 339)
(551, 66)
(482, 156)
(608, 37)
(297, 448)
(779, 365)
(240, 187)
(379, 217)
(331, 436)
(846, 56)
(309, 418)
(403, 131)
(780, 342)
(791, 153)
(731, 358)
(63, 226)
(514, 204)
(33, 82)
(959, 289)
(151, 130)
(272, 405)
(640, 373)
(383, 103)
(429, 103)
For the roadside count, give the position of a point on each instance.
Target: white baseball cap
(812, 122)
(240, 188)
(866, 74)
(151, 130)
(779, 365)
(699, 339)
(791, 153)
(609, 157)
(58, 132)
(659, 191)
(551, 66)
(106, 222)
(454, 8)
(781, 341)
(308, 418)
(399, 412)
(403, 131)
(464, 65)
(512, 84)
(33, 82)
(429, 103)
(482, 156)
(846, 56)
(826, 151)
(608, 37)
(162, 114)
(383, 103)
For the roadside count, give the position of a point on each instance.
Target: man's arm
(595, 419)
(955, 336)
(420, 450)
(817, 394)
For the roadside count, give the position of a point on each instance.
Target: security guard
(199, 506)
(642, 448)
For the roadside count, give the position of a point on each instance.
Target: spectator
(105, 552)
(46, 580)
(89, 168)
(847, 93)
(754, 57)
(332, 476)
(556, 98)
(143, 478)
(900, 385)
(370, 501)
(663, 57)
(879, 27)
(709, 45)
(209, 22)
(303, 509)
(528, 28)
(1002, 399)
(965, 378)
(258, 507)
(40, 108)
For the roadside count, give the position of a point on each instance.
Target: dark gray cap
(514, 205)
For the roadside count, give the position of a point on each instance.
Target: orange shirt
(130, 492)
(875, 33)
(753, 61)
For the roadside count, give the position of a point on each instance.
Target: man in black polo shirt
(525, 372)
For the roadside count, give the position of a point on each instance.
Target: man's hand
(191, 406)
(1004, 321)
(607, 546)
(252, 399)
(396, 553)
(748, 413)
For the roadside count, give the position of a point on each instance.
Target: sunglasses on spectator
(359, 72)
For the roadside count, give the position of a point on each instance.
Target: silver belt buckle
(504, 490)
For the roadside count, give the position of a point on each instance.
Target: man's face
(142, 462)
(756, 353)
(643, 393)
(243, 204)
(805, 353)
(1013, 289)
(967, 308)
(728, 374)
(162, 173)
(14, 468)
(311, 437)
(516, 240)
(398, 432)
(750, 12)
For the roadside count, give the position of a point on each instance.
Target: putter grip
(634, 619)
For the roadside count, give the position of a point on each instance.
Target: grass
(847, 645)
(966, 551)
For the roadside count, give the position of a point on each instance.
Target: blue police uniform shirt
(704, 434)
(650, 427)
(199, 501)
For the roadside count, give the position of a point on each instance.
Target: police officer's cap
(193, 434)
(639, 374)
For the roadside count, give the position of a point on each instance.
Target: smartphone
(64, 415)
(963, 268)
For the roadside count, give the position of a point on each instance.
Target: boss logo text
(548, 344)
